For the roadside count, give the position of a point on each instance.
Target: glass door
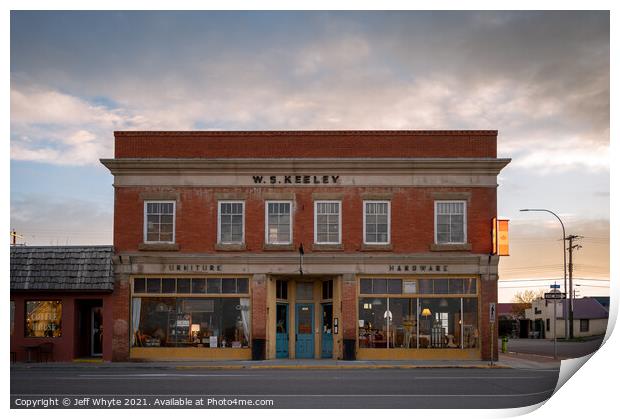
(327, 337)
(96, 321)
(281, 330)
(304, 331)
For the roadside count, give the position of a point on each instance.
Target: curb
(336, 367)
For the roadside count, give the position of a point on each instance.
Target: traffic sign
(492, 312)
(557, 286)
(555, 295)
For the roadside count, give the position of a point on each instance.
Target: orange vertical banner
(502, 237)
(494, 234)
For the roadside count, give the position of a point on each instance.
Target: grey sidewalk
(504, 362)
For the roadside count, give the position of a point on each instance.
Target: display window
(393, 320)
(202, 320)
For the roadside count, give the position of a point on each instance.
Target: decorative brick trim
(163, 195)
(230, 247)
(160, 247)
(295, 133)
(450, 247)
(377, 196)
(221, 196)
(327, 195)
(277, 196)
(452, 195)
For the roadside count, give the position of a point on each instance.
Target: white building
(590, 315)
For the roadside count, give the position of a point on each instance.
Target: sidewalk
(504, 362)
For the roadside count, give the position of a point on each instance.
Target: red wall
(412, 217)
(261, 144)
(64, 346)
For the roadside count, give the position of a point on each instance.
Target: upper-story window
(376, 222)
(327, 222)
(450, 222)
(230, 228)
(159, 221)
(278, 225)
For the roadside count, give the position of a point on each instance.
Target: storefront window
(440, 323)
(372, 324)
(471, 334)
(43, 319)
(187, 322)
(403, 323)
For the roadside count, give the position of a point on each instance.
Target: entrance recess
(304, 330)
(327, 337)
(282, 331)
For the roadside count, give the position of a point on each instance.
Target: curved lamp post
(565, 307)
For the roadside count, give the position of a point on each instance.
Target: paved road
(396, 388)
(545, 347)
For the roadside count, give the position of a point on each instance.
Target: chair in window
(46, 351)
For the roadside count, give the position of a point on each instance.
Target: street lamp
(565, 308)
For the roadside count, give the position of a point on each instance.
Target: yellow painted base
(401, 353)
(197, 354)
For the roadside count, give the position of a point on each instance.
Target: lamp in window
(195, 329)
(426, 313)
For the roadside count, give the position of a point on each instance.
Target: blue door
(281, 330)
(327, 337)
(304, 331)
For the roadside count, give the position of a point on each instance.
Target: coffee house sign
(296, 180)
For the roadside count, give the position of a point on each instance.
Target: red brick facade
(306, 144)
(196, 226)
(412, 207)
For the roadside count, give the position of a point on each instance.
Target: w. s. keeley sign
(296, 180)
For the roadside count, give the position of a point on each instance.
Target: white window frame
(219, 221)
(389, 220)
(339, 220)
(267, 221)
(452, 201)
(174, 219)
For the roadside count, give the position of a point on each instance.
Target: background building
(590, 316)
(304, 244)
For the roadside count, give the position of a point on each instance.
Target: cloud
(541, 79)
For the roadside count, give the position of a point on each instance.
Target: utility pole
(570, 249)
(14, 237)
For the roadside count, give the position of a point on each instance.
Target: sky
(540, 78)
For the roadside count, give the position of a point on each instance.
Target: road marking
(291, 395)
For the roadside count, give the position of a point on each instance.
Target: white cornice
(292, 258)
(445, 166)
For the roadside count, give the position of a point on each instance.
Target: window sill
(230, 247)
(327, 247)
(162, 247)
(281, 247)
(450, 247)
(387, 247)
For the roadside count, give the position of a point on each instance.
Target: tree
(523, 300)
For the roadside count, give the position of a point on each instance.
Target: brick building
(61, 302)
(304, 244)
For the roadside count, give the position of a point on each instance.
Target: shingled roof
(71, 268)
